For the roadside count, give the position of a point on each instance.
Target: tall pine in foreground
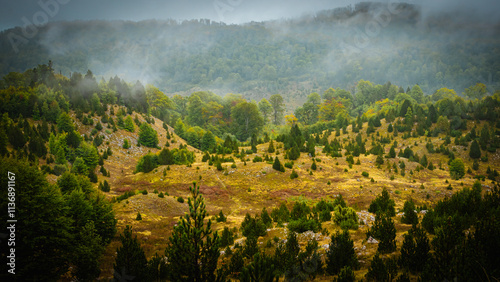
(131, 262)
(193, 250)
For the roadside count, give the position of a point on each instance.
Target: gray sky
(19, 12)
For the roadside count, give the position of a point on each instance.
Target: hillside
(107, 179)
(374, 42)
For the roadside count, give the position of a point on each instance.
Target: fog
(228, 11)
(292, 47)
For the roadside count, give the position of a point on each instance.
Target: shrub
(365, 174)
(257, 159)
(457, 169)
(294, 174)
(345, 217)
(180, 200)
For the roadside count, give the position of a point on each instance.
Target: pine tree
(313, 166)
(340, 253)
(410, 216)
(130, 259)
(193, 250)
(415, 250)
(148, 136)
(475, 151)
(277, 165)
(384, 230)
(271, 147)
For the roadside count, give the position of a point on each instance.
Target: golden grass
(249, 188)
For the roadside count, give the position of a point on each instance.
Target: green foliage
(247, 120)
(383, 204)
(147, 163)
(415, 250)
(410, 216)
(281, 214)
(128, 124)
(227, 237)
(148, 136)
(457, 169)
(381, 270)
(253, 226)
(294, 174)
(474, 151)
(277, 165)
(383, 229)
(126, 144)
(345, 217)
(138, 217)
(262, 268)
(340, 253)
(192, 242)
(130, 259)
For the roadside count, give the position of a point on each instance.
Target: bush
(289, 165)
(180, 200)
(252, 227)
(257, 159)
(303, 225)
(457, 169)
(346, 217)
(160, 195)
(294, 174)
(365, 174)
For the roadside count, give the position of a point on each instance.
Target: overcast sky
(19, 12)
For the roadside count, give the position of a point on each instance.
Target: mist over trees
(297, 56)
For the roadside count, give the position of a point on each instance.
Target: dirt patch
(285, 193)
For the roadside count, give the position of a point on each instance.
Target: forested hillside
(374, 42)
(387, 183)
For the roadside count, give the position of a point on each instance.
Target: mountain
(334, 48)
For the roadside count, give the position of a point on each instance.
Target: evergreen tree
(383, 204)
(383, 229)
(43, 231)
(148, 136)
(474, 151)
(340, 253)
(130, 262)
(3, 142)
(277, 165)
(410, 216)
(128, 124)
(313, 166)
(192, 250)
(415, 250)
(271, 149)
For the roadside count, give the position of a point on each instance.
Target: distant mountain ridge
(333, 48)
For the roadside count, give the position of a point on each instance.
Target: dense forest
(339, 47)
